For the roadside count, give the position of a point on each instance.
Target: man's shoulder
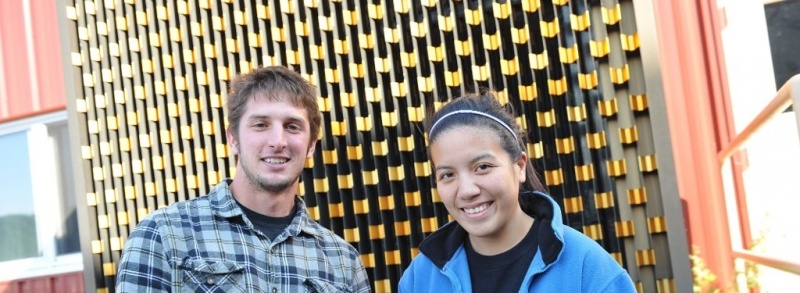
(187, 208)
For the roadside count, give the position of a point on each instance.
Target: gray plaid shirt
(207, 245)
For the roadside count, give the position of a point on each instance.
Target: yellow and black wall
(150, 80)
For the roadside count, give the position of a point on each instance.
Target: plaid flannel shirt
(208, 245)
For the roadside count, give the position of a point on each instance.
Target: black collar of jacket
(440, 246)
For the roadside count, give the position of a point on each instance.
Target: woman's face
(478, 181)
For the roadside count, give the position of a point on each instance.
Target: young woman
(507, 235)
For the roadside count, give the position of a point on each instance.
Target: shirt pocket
(317, 285)
(211, 275)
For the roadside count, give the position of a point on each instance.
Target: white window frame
(45, 200)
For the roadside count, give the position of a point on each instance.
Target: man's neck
(267, 203)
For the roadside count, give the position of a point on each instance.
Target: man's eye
(293, 127)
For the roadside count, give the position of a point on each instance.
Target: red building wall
(31, 71)
(32, 83)
(62, 283)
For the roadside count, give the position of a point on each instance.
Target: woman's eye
(483, 168)
(445, 176)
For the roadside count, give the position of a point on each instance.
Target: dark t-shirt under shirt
(503, 272)
(270, 226)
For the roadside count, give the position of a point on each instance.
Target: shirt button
(274, 290)
(210, 281)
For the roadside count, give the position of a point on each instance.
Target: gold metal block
(345, 181)
(481, 72)
(402, 6)
(402, 229)
(422, 169)
(111, 195)
(620, 75)
(405, 144)
(446, 23)
(391, 35)
(418, 29)
(385, 202)
(341, 47)
(509, 67)
(573, 204)
(638, 103)
(528, 93)
(375, 11)
(557, 87)
(637, 196)
(398, 89)
(429, 225)
(536, 150)
(608, 108)
(611, 15)
(628, 135)
(646, 257)
(625, 229)
(413, 199)
(288, 6)
(321, 185)
(393, 256)
(262, 11)
(98, 173)
(519, 35)
(354, 153)
(530, 5)
(92, 199)
(593, 231)
(396, 173)
(463, 48)
(501, 10)
(581, 22)
(564, 146)
(599, 49)
(141, 18)
(109, 269)
(363, 124)
(616, 168)
(568, 55)
(102, 28)
(630, 43)
(162, 12)
(352, 235)
(604, 200)
(588, 81)
(553, 177)
(549, 29)
(380, 148)
(408, 59)
(416, 114)
(452, 78)
(473, 17)
(278, 34)
(117, 171)
(491, 42)
(656, 225)
(546, 119)
(584, 173)
(576, 114)
(97, 246)
(329, 157)
(102, 221)
(539, 61)
(665, 285)
(155, 39)
(376, 232)
(648, 163)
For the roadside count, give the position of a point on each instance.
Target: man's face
(273, 142)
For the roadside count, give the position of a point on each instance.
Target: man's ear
(311, 147)
(232, 142)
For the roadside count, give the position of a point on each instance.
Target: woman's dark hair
(486, 102)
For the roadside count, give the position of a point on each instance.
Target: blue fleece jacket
(566, 261)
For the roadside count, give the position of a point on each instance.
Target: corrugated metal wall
(31, 74)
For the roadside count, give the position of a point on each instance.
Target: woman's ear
(522, 163)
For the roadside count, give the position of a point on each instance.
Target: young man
(251, 233)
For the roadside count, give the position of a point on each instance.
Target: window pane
(67, 239)
(17, 221)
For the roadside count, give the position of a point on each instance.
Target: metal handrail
(788, 94)
(781, 101)
(784, 265)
